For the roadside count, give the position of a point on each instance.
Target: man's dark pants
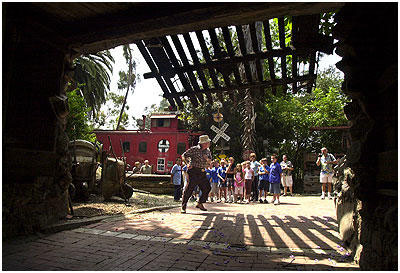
(196, 177)
(177, 192)
(254, 188)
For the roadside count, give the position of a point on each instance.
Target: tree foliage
(283, 120)
(92, 78)
(78, 121)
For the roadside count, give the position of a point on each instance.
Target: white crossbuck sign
(220, 132)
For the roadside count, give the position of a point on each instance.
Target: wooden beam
(207, 57)
(268, 44)
(185, 61)
(294, 72)
(281, 27)
(311, 69)
(220, 54)
(263, 84)
(243, 50)
(294, 56)
(196, 61)
(159, 79)
(212, 64)
(164, 41)
(256, 49)
(147, 20)
(231, 53)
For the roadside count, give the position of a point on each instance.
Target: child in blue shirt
(263, 175)
(214, 180)
(176, 179)
(275, 175)
(222, 181)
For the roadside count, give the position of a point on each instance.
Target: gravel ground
(96, 207)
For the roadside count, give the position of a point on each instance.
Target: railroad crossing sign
(222, 148)
(163, 146)
(220, 133)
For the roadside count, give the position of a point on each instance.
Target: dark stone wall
(367, 186)
(36, 163)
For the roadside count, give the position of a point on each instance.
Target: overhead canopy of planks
(225, 55)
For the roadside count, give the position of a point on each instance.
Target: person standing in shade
(263, 183)
(176, 179)
(326, 161)
(230, 179)
(146, 168)
(197, 157)
(287, 180)
(275, 176)
(254, 164)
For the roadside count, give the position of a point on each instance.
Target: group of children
(230, 183)
(241, 183)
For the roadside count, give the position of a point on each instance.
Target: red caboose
(161, 145)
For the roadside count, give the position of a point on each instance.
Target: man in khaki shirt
(197, 158)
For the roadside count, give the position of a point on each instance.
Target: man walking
(197, 158)
(326, 161)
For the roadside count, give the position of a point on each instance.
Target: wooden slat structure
(223, 55)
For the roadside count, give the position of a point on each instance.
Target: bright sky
(148, 91)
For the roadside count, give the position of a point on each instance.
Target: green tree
(78, 126)
(127, 79)
(92, 77)
(109, 117)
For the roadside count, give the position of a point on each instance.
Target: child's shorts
(230, 182)
(222, 184)
(275, 188)
(239, 190)
(263, 185)
(214, 188)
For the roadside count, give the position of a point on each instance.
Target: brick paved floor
(299, 234)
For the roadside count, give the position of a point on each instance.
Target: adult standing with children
(230, 179)
(255, 165)
(326, 161)
(197, 157)
(287, 180)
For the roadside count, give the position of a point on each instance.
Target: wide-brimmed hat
(204, 139)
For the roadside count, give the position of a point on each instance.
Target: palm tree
(127, 80)
(92, 77)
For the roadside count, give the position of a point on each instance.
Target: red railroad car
(161, 145)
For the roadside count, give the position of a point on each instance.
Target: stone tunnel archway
(34, 187)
